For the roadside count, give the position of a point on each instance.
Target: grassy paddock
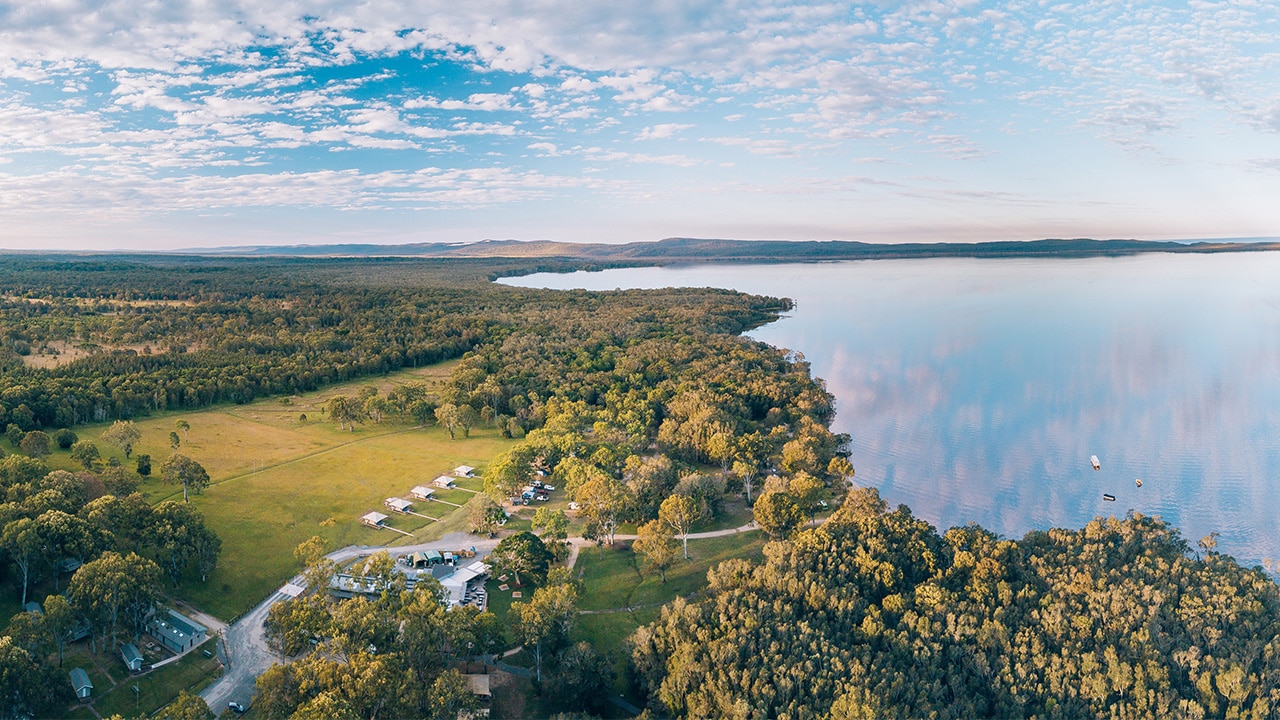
(261, 517)
(276, 480)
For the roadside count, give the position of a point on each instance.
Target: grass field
(262, 516)
(277, 480)
(616, 581)
(620, 579)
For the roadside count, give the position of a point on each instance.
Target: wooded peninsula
(697, 544)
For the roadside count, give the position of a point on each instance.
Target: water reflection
(976, 390)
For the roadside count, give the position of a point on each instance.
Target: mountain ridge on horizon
(683, 249)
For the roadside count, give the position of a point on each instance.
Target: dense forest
(91, 340)
(875, 614)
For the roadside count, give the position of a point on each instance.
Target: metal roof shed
(132, 658)
(80, 681)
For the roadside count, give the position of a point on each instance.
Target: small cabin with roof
(33, 607)
(464, 471)
(132, 658)
(444, 481)
(80, 681)
(422, 492)
(373, 519)
(399, 505)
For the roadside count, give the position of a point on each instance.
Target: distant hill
(702, 249)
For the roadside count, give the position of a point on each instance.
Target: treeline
(166, 334)
(874, 614)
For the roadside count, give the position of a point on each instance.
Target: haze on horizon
(155, 126)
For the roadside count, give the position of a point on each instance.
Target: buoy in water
(1108, 497)
(1138, 482)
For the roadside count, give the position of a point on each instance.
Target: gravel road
(244, 643)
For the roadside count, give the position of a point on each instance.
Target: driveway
(244, 643)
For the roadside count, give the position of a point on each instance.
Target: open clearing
(277, 480)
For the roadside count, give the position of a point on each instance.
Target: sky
(164, 124)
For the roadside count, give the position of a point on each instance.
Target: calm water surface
(976, 390)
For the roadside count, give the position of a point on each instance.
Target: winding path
(243, 645)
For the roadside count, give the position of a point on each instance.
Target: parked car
(237, 707)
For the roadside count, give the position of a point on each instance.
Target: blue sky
(154, 125)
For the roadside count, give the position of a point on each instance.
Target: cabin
(444, 481)
(422, 492)
(398, 505)
(33, 607)
(80, 681)
(132, 658)
(1093, 460)
(464, 471)
(176, 631)
(373, 519)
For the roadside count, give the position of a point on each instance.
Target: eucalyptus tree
(123, 434)
(679, 512)
(115, 592)
(181, 470)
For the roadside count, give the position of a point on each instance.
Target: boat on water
(1093, 460)
(1138, 482)
(1108, 497)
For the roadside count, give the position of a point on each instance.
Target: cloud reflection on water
(976, 390)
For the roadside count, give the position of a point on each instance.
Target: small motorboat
(1093, 460)
(1108, 497)
(1138, 482)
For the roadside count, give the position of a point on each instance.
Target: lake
(976, 390)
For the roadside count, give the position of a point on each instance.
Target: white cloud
(662, 131)
(149, 89)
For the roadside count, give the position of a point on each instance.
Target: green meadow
(277, 479)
